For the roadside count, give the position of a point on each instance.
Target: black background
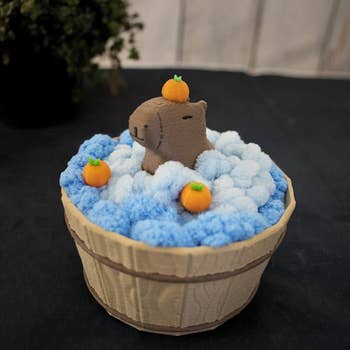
(304, 298)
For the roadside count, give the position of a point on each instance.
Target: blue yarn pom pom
(279, 178)
(217, 240)
(107, 215)
(140, 207)
(99, 146)
(71, 180)
(86, 198)
(272, 210)
(161, 233)
(125, 138)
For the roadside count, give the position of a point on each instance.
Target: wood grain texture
(181, 304)
(166, 329)
(166, 304)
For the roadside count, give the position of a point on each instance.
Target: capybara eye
(145, 126)
(187, 117)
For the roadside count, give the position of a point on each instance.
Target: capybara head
(158, 121)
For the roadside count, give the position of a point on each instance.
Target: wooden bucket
(172, 291)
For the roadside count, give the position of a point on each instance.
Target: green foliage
(74, 31)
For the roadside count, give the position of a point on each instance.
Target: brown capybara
(170, 131)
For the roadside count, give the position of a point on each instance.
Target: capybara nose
(135, 131)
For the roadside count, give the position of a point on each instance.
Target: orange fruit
(176, 90)
(195, 197)
(96, 172)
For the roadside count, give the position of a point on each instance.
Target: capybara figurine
(170, 131)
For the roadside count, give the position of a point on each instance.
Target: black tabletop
(304, 298)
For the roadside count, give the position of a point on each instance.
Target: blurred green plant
(71, 31)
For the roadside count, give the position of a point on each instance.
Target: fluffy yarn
(247, 189)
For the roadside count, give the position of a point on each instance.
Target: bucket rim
(198, 250)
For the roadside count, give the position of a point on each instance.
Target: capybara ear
(203, 105)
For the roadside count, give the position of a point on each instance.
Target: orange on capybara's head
(195, 197)
(176, 90)
(96, 173)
